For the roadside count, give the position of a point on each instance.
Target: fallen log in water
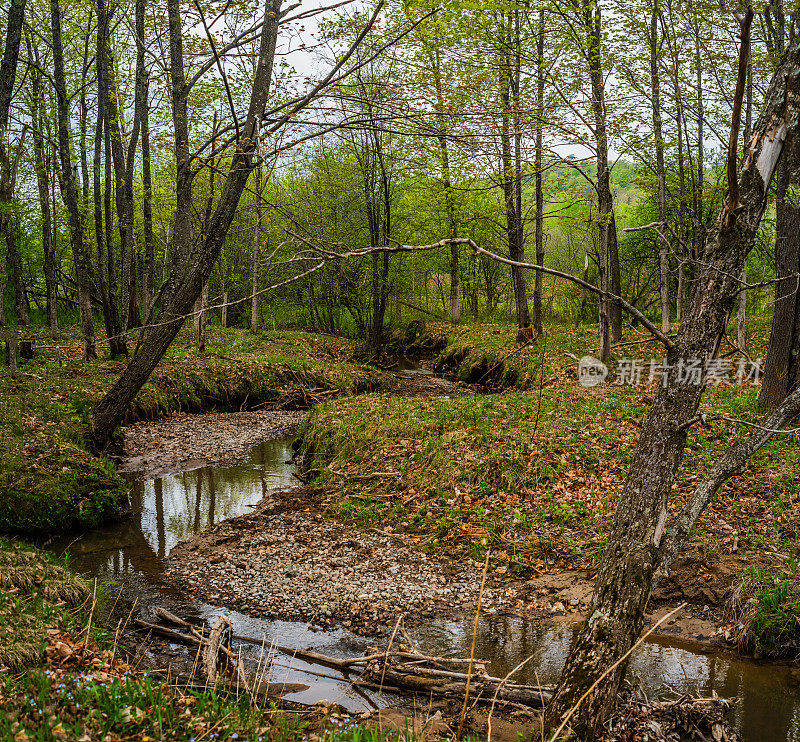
(406, 670)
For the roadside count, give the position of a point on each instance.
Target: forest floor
(533, 472)
(414, 478)
(432, 480)
(49, 481)
(64, 678)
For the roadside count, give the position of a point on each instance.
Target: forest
(383, 317)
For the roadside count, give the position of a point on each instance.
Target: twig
(611, 669)
(472, 648)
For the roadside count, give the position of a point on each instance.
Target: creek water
(170, 508)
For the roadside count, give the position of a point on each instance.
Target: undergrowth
(535, 475)
(50, 482)
(63, 679)
(766, 606)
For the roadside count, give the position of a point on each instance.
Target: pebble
(324, 571)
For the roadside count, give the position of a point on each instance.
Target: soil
(416, 384)
(183, 441)
(287, 561)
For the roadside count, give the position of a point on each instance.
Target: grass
(537, 477)
(766, 609)
(62, 678)
(50, 482)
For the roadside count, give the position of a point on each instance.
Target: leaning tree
(642, 544)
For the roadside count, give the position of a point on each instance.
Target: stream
(171, 508)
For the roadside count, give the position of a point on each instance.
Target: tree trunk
(782, 366)
(639, 549)
(610, 317)
(2, 289)
(663, 242)
(123, 175)
(741, 311)
(48, 244)
(537, 166)
(201, 318)
(70, 190)
(186, 287)
(699, 191)
(148, 279)
(512, 167)
(42, 167)
(741, 314)
(21, 306)
(447, 185)
(8, 71)
(256, 255)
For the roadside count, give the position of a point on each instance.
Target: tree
(641, 546)
(9, 164)
(510, 71)
(782, 367)
(69, 189)
(189, 272)
(42, 165)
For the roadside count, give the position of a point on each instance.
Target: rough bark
(148, 277)
(447, 186)
(186, 287)
(201, 318)
(637, 550)
(8, 71)
(9, 229)
(511, 162)
(108, 298)
(2, 289)
(69, 189)
(782, 366)
(256, 255)
(698, 240)
(42, 167)
(610, 318)
(123, 184)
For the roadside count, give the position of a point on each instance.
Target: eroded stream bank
(173, 507)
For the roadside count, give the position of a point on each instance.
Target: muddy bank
(184, 441)
(288, 561)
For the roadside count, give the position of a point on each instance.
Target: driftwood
(407, 670)
(213, 646)
(215, 653)
(672, 721)
(401, 670)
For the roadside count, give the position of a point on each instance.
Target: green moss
(49, 482)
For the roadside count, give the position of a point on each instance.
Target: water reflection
(769, 708)
(171, 508)
(174, 507)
